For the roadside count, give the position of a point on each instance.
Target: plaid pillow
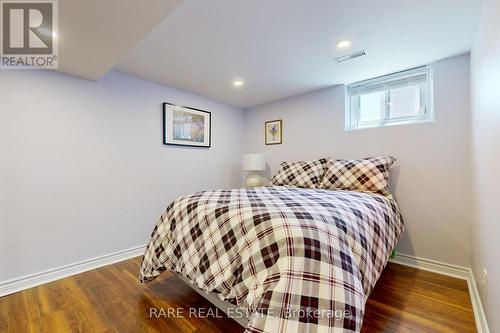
(365, 175)
(306, 174)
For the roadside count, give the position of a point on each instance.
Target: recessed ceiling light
(238, 83)
(343, 44)
(54, 34)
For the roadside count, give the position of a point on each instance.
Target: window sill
(412, 122)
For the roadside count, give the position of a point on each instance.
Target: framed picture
(185, 126)
(273, 131)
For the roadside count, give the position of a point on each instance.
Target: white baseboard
(33, 280)
(459, 272)
(432, 266)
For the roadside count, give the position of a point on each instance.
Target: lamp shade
(253, 162)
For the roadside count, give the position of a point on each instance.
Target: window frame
(423, 76)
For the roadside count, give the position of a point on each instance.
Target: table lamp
(251, 163)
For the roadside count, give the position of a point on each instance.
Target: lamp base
(253, 180)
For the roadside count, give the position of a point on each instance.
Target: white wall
(485, 69)
(431, 176)
(83, 171)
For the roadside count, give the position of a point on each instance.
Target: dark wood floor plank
(408, 275)
(111, 300)
(445, 313)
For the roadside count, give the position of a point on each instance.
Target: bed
(296, 259)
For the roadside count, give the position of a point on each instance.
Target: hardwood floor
(411, 300)
(110, 299)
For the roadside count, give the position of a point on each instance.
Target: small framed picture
(186, 126)
(273, 132)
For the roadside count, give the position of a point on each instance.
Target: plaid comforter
(299, 260)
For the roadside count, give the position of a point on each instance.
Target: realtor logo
(29, 34)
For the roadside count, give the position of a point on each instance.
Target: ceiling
(281, 48)
(94, 34)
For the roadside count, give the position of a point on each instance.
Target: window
(400, 98)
